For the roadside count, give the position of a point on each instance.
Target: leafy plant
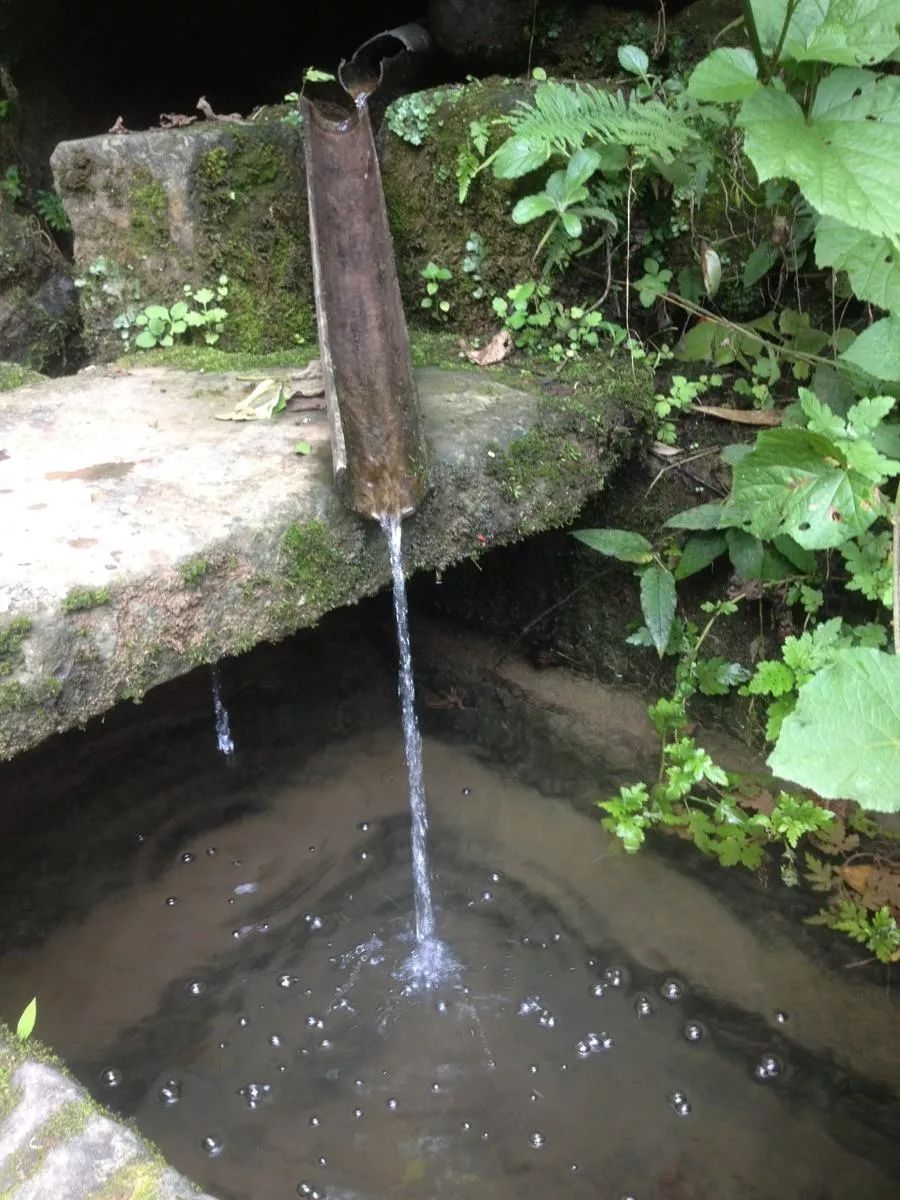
(11, 183)
(410, 117)
(50, 207)
(539, 323)
(434, 275)
(160, 325)
(567, 197)
(680, 398)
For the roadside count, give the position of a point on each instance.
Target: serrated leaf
(723, 76)
(848, 32)
(27, 1021)
(844, 160)
(843, 738)
(698, 552)
(771, 678)
(872, 263)
(658, 604)
(633, 59)
(314, 75)
(529, 208)
(622, 544)
(204, 296)
(796, 482)
(877, 349)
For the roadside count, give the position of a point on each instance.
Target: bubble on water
(680, 1104)
(311, 849)
(237, 862)
(274, 1039)
(169, 1092)
(286, 981)
(322, 1160)
(573, 1167)
(196, 987)
(598, 990)
(593, 1043)
(211, 850)
(392, 1104)
(781, 1017)
(171, 901)
(364, 856)
(537, 1139)
(768, 1067)
(359, 1083)
(496, 876)
(485, 1136)
(547, 1019)
(531, 1004)
(314, 1022)
(643, 1006)
(532, 1068)
(188, 857)
(243, 1022)
(442, 1006)
(615, 976)
(111, 1077)
(139, 837)
(487, 897)
(246, 889)
(325, 1044)
(358, 1113)
(556, 937)
(305, 1188)
(466, 1126)
(315, 1121)
(255, 1093)
(363, 827)
(694, 1031)
(313, 922)
(212, 1145)
(582, 1049)
(467, 791)
(534, 1097)
(672, 990)
(435, 1087)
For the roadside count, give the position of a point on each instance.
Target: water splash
(224, 739)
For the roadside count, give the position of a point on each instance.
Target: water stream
(431, 961)
(224, 740)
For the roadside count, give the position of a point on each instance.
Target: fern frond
(562, 118)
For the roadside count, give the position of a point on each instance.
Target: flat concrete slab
(141, 536)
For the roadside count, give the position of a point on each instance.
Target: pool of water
(218, 952)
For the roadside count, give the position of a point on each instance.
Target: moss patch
(17, 697)
(137, 1181)
(193, 571)
(215, 361)
(13, 375)
(315, 566)
(82, 599)
(11, 637)
(149, 211)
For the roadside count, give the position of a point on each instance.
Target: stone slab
(142, 537)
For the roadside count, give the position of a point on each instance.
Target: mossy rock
(157, 211)
(428, 223)
(39, 321)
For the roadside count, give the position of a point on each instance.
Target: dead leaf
(740, 416)
(499, 347)
(206, 108)
(175, 120)
(882, 888)
(661, 450)
(857, 877)
(264, 402)
(118, 126)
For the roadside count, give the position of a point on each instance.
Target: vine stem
(762, 64)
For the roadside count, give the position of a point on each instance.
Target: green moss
(13, 375)
(213, 360)
(193, 571)
(82, 599)
(17, 697)
(137, 1181)
(214, 164)
(433, 348)
(11, 637)
(149, 211)
(317, 568)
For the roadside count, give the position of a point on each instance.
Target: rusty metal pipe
(376, 435)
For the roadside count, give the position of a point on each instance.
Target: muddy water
(241, 990)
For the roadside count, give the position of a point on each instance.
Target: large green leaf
(724, 75)
(517, 156)
(843, 738)
(531, 207)
(872, 263)
(797, 482)
(848, 32)
(851, 32)
(845, 157)
(877, 349)
(698, 552)
(658, 605)
(617, 543)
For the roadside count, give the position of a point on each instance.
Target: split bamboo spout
(376, 434)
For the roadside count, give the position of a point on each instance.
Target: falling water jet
(224, 739)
